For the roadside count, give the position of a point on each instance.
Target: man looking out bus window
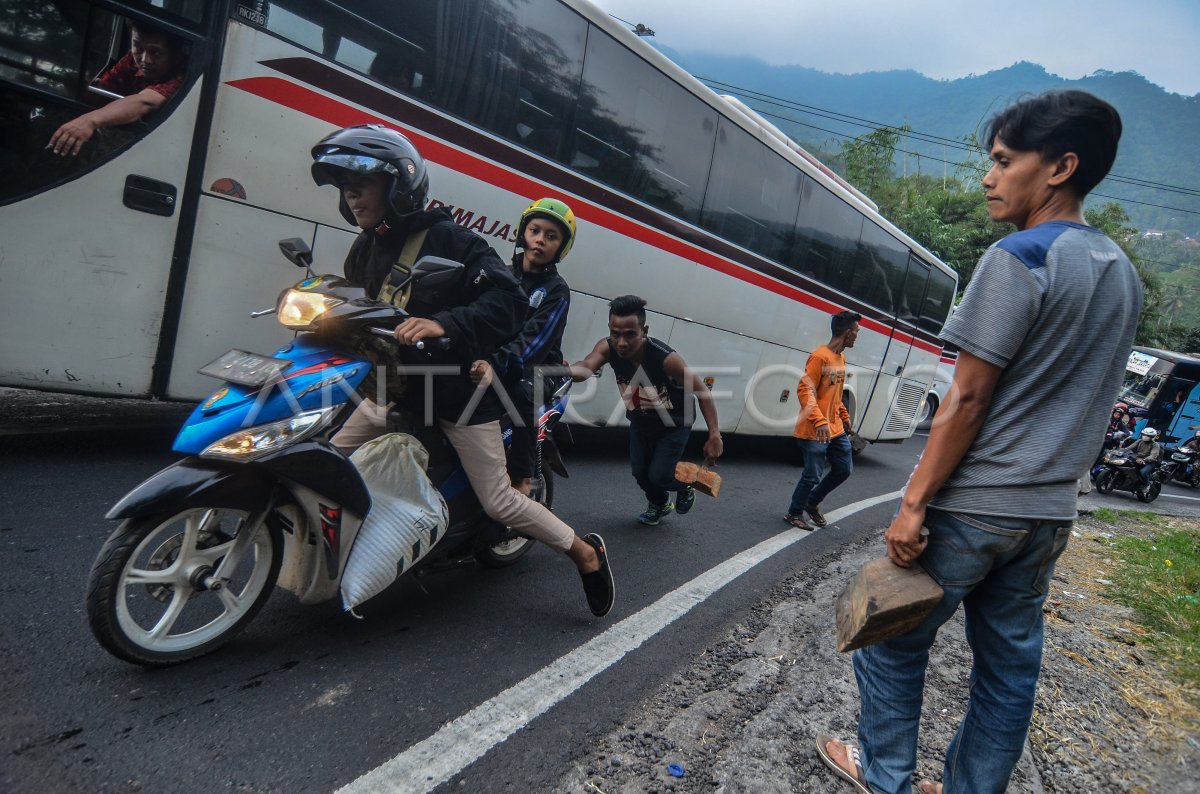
(1048, 318)
(657, 387)
(146, 77)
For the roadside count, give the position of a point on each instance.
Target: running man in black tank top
(660, 395)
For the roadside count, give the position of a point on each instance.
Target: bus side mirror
(297, 251)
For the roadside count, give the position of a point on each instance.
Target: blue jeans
(1145, 472)
(998, 568)
(653, 452)
(812, 488)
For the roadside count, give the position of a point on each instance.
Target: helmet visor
(357, 163)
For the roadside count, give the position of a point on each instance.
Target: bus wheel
(928, 409)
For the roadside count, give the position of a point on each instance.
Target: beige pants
(480, 448)
(368, 421)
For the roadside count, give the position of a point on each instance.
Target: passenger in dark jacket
(545, 234)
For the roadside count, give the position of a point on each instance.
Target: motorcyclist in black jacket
(383, 187)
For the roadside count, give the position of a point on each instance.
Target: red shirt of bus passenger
(126, 78)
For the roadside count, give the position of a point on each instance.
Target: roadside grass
(1159, 577)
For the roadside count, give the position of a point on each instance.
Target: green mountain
(1161, 129)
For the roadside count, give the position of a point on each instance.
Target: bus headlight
(254, 442)
(298, 309)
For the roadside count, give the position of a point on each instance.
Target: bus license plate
(245, 369)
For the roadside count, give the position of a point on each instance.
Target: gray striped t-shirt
(1056, 306)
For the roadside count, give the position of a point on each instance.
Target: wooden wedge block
(701, 478)
(882, 601)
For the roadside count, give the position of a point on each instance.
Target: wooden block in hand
(883, 601)
(702, 479)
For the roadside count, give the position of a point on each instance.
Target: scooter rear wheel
(1150, 492)
(508, 552)
(166, 589)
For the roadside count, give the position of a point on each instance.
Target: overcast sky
(1160, 39)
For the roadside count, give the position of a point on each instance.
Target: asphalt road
(309, 698)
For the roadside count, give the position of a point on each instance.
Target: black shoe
(599, 586)
(815, 515)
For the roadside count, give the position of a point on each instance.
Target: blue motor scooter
(262, 498)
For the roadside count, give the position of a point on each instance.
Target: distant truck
(1162, 389)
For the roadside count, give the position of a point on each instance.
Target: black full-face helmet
(373, 149)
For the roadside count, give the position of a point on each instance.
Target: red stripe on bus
(340, 114)
(915, 342)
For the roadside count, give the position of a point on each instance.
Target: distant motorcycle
(1181, 465)
(262, 498)
(1120, 472)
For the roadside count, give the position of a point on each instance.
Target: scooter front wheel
(1105, 481)
(508, 552)
(172, 587)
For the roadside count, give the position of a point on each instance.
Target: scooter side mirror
(297, 251)
(435, 272)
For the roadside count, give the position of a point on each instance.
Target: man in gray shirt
(1044, 329)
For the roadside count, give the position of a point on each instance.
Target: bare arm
(949, 440)
(591, 364)
(71, 136)
(678, 371)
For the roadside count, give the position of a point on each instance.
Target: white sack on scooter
(408, 516)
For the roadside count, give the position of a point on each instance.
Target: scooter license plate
(245, 369)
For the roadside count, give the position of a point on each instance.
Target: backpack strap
(390, 291)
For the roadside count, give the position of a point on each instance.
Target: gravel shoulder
(744, 714)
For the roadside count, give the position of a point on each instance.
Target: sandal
(856, 777)
(929, 787)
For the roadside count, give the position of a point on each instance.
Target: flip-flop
(859, 778)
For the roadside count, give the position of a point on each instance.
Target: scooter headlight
(298, 309)
(254, 442)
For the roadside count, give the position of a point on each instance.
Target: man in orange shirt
(823, 429)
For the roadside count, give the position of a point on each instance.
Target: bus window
(909, 304)
(827, 234)
(639, 131)
(178, 11)
(49, 52)
(938, 299)
(753, 194)
(879, 275)
(512, 69)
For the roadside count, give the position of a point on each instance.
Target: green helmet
(556, 211)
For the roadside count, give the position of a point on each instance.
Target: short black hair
(841, 322)
(1058, 122)
(628, 305)
(177, 44)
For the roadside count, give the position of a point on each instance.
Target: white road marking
(461, 742)
(1175, 496)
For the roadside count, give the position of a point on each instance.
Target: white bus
(125, 269)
